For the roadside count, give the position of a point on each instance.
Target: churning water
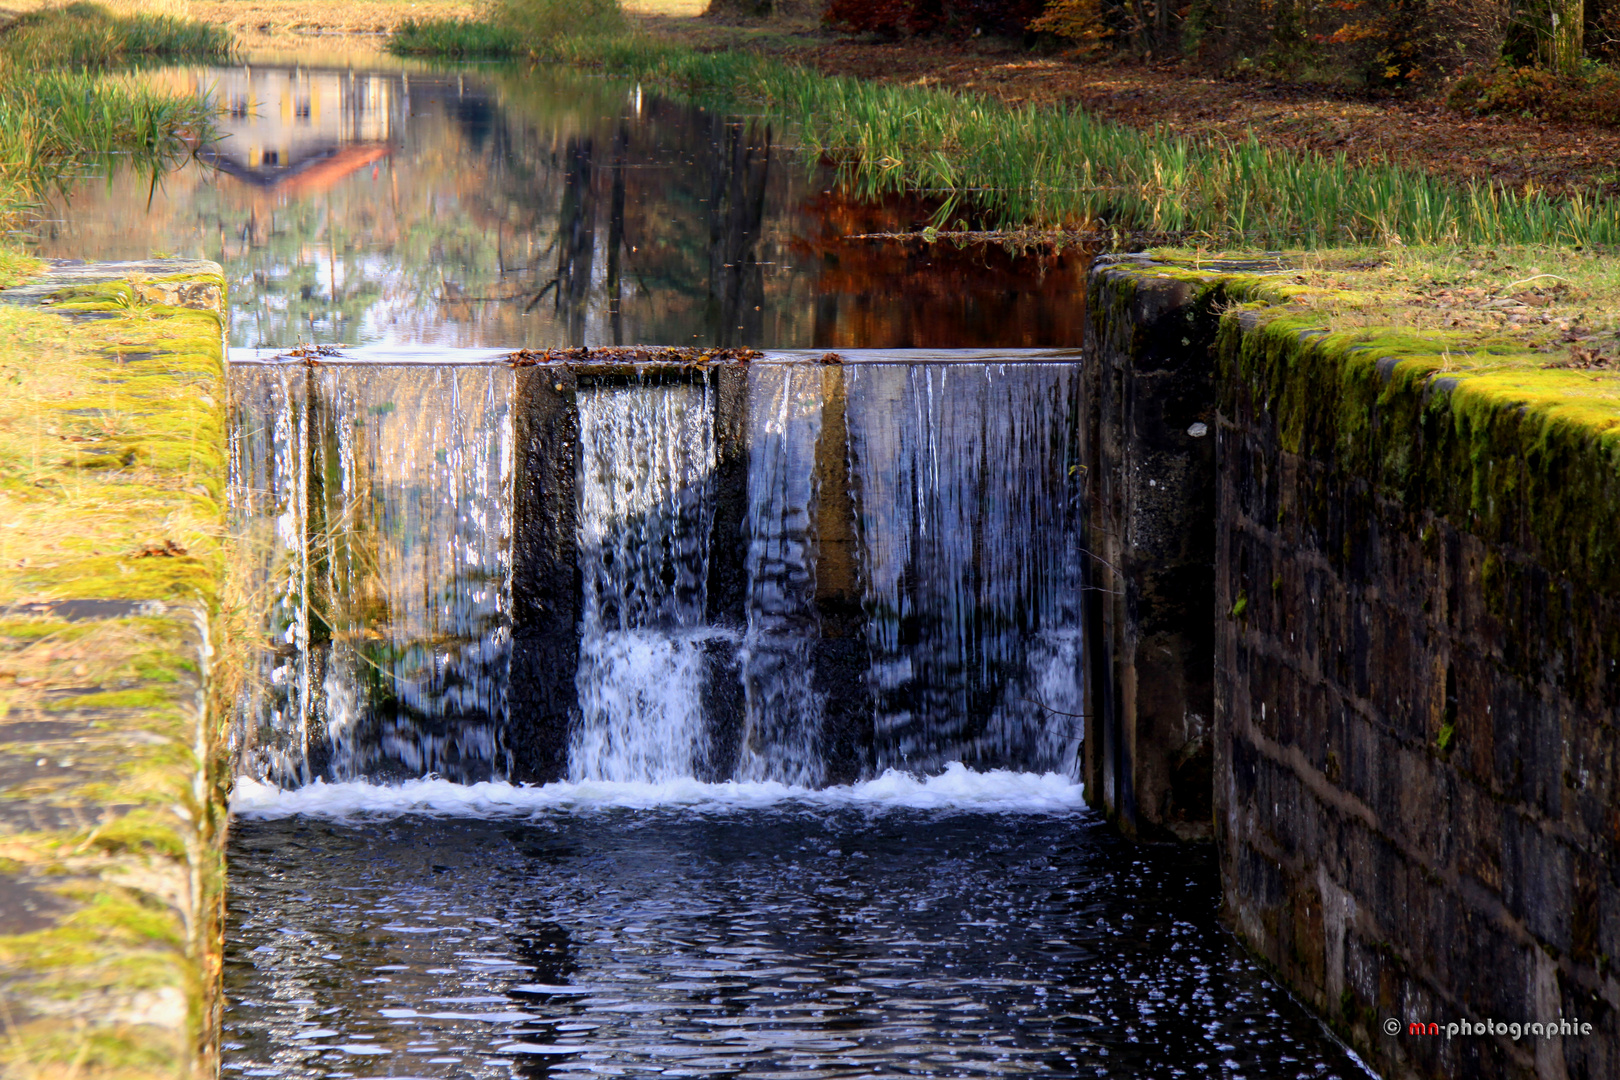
(974, 926)
(697, 656)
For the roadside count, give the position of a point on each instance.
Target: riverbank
(112, 434)
(1422, 134)
(62, 104)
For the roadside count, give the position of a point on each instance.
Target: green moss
(127, 1051)
(105, 464)
(139, 832)
(1487, 438)
(118, 937)
(1239, 606)
(117, 699)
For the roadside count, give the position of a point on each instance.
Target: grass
(90, 474)
(1059, 166)
(510, 29)
(58, 111)
(89, 35)
(455, 39)
(16, 267)
(993, 164)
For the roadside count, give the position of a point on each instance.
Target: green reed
(57, 111)
(455, 39)
(510, 29)
(1044, 165)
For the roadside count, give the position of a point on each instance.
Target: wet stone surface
(787, 942)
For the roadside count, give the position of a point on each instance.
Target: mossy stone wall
(1416, 628)
(112, 801)
(1148, 464)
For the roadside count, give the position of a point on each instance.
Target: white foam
(958, 788)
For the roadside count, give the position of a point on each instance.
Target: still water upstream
(714, 720)
(543, 209)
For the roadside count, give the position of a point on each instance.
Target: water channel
(618, 718)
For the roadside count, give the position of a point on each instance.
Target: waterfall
(374, 508)
(645, 463)
(970, 568)
(783, 572)
(782, 737)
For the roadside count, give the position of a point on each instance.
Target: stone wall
(1417, 622)
(112, 764)
(1149, 477)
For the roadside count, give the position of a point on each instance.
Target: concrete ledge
(111, 570)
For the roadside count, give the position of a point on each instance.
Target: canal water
(622, 718)
(488, 208)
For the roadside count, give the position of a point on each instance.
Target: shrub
(1084, 22)
(545, 19)
(1591, 95)
(1380, 44)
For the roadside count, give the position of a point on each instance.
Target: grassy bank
(60, 109)
(995, 164)
(89, 35)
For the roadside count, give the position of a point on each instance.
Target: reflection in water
(544, 208)
(809, 942)
(792, 572)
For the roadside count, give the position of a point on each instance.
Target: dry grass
(85, 483)
(1550, 307)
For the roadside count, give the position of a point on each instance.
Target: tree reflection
(468, 211)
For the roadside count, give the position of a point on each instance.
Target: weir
(704, 718)
(784, 570)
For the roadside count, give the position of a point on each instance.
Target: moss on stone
(112, 466)
(1478, 429)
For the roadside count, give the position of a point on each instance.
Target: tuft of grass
(511, 29)
(88, 35)
(15, 267)
(455, 39)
